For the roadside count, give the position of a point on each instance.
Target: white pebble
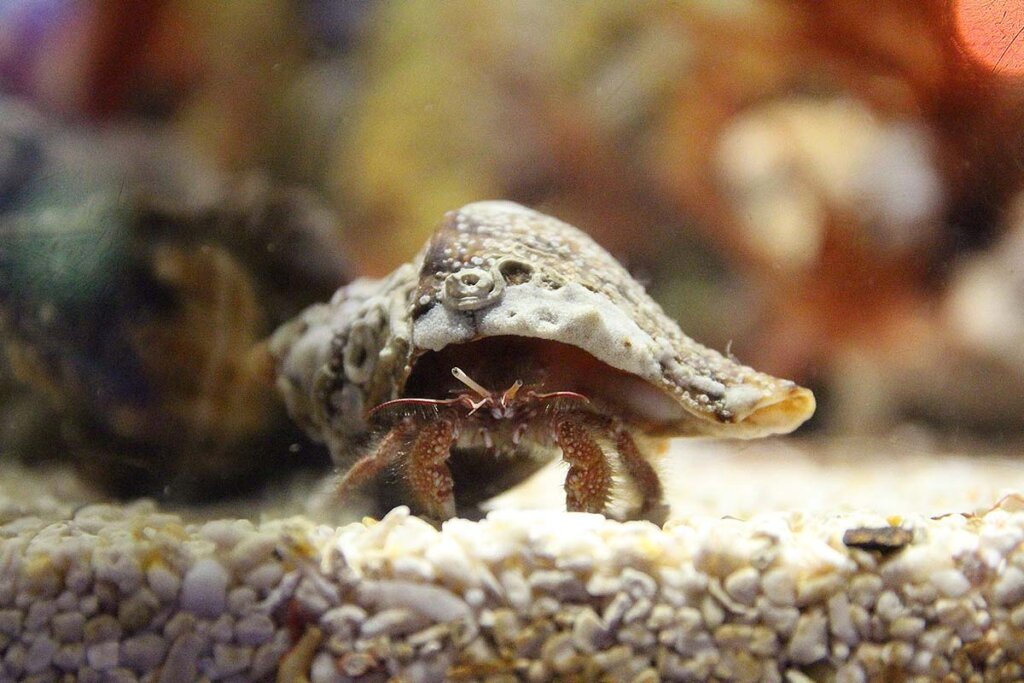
(516, 589)
(865, 589)
(178, 625)
(324, 670)
(204, 589)
(78, 579)
(1017, 617)
(475, 597)
(66, 601)
(1008, 589)
(100, 628)
(343, 619)
(103, 656)
(182, 658)
(68, 627)
(951, 583)
(265, 577)
(413, 568)
(252, 551)
(640, 609)
(638, 584)
(712, 612)
(241, 600)
(819, 588)
(14, 659)
(907, 628)
(432, 601)
(230, 659)
(840, 619)
(222, 630)
(561, 584)
(850, 673)
(39, 655)
(559, 654)
(779, 587)
(10, 622)
(600, 585)
(118, 565)
(616, 610)
(225, 533)
(268, 656)
(742, 585)
(39, 614)
(143, 652)
(393, 622)
(163, 582)
(69, 657)
(889, 606)
(809, 643)
(254, 629)
(451, 563)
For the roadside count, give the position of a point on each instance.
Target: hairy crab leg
(643, 475)
(430, 480)
(589, 480)
(635, 467)
(371, 465)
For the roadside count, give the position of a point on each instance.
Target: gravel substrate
(133, 594)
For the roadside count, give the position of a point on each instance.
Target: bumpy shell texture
(495, 269)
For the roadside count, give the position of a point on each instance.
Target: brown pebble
(885, 539)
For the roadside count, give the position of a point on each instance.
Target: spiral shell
(496, 268)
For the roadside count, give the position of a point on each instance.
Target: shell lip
(779, 412)
(749, 406)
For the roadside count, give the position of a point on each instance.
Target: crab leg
(588, 482)
(642, 474)
(635, 466)
(430, 480)
(371, 465)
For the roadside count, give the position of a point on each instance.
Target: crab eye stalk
(470, 382)
(510, 393)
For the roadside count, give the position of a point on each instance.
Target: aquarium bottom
(98, 592)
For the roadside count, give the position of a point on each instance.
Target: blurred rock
(136, 289)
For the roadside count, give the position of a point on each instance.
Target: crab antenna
(470, 382)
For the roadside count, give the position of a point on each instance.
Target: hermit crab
(510, 339)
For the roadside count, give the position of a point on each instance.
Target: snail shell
(498, 269)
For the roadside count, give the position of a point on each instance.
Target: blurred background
(833, 194)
